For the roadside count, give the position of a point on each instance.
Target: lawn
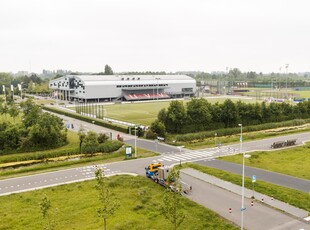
(145, 113)
(75, 207)
(292, 161)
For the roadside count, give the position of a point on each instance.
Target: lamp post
(157, 86)
(286, 67)
(135, 141)
(242, 191)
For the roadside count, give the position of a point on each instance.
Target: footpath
(248, 193)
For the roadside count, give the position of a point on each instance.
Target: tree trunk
(105, 223)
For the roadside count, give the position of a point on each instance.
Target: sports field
(145, 113)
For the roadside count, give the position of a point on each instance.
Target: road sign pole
(253, 181)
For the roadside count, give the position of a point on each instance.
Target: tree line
(200, 115)
(38, 130)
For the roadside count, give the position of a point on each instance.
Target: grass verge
(291, 196)
(292, 161)
(140, 201)
(249, 136)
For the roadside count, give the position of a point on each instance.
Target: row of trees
(37, 130)
(200, 115)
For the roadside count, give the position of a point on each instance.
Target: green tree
(31, 112)
(159, 128)
(11, 136)
(82, 135)
(108, 70)
(4, 109)
(198, 114)
(171, 199)
(13, 111)
(48, 131)
(162, 115)
(176, 117)
(108, 204)
(45, 207)
(102, 137)
(90, 143)
(229, 113)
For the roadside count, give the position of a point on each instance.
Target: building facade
(122, 87)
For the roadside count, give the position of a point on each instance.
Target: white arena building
(98, 88)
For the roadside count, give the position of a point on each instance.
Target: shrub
(109, 146)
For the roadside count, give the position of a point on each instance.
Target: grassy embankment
(293, 161)
(290, 196)
(140, 200)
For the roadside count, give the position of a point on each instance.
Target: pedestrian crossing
(195, 155)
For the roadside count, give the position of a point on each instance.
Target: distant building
(122, 87)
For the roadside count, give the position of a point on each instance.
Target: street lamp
(242, 192)
(286, 67)
(157, 86)
(135, 141)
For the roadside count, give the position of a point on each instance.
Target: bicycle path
(261, 198)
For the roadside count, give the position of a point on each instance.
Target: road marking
(196, 155)
(176, 158)
(165, 159)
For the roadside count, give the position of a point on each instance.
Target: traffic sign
(253, 178)
(128, 151)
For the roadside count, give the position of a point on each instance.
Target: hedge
(102, 123)
(236, 130)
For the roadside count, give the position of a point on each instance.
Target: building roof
(129, 77)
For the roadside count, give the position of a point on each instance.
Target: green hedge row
(106, 147)
(236, 130)
(88, 119)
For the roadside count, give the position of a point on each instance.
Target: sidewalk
(297, 212)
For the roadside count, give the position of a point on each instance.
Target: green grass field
(292, 161)
(76, 206)
(145, 113)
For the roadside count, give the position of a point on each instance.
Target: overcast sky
(158, 35)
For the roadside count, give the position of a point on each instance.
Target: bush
(150, 135)
(109, 146)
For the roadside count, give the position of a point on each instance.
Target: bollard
(229, 210)
(262, 200)
(272, 198)
(252, 203)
